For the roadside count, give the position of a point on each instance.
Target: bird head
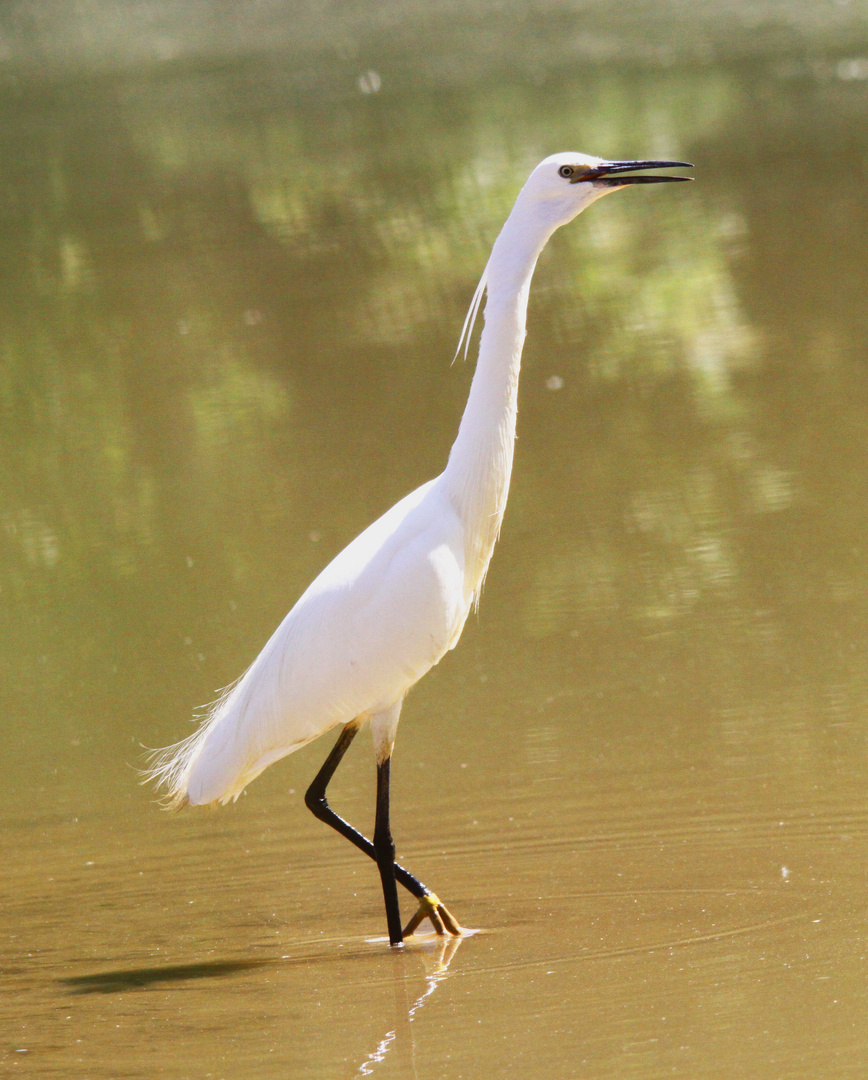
(562, 185)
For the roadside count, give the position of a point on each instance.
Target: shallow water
(232, 287)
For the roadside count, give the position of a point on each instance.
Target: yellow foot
(431, 908)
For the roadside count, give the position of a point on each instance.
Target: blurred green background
(237, 243)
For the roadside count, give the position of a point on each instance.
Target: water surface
(232, 285)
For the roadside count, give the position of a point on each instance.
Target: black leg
(316, 802)
(384, 848)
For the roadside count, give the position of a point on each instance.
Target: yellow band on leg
(431, 907)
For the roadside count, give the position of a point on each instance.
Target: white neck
(480, 463)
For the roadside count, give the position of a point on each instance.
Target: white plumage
(380, 615)
(395, 600)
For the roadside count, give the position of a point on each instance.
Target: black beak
(607, 173)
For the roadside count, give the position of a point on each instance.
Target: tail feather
(165, 768)
(169, 767)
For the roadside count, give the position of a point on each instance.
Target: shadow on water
(228, 295)
(115, 982)
(436, 953)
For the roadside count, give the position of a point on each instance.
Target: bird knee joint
(316, 802)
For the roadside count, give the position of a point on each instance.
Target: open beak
(608, 173)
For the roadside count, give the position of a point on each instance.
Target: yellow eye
(566, 171)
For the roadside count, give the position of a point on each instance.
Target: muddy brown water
(232, 295)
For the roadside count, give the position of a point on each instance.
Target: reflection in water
(229, 293)
(437, 955)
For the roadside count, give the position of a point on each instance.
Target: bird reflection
(436, 952)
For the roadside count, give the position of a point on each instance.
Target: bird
(394, 601)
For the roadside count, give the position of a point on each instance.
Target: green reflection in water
(209, 306)
(230, 292)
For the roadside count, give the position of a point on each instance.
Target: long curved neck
(480, 463)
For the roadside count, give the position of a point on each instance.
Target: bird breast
(381, 614)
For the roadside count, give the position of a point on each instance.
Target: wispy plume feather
(470, 317)
(170, 766)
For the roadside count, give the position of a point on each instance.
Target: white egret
(394, 601)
